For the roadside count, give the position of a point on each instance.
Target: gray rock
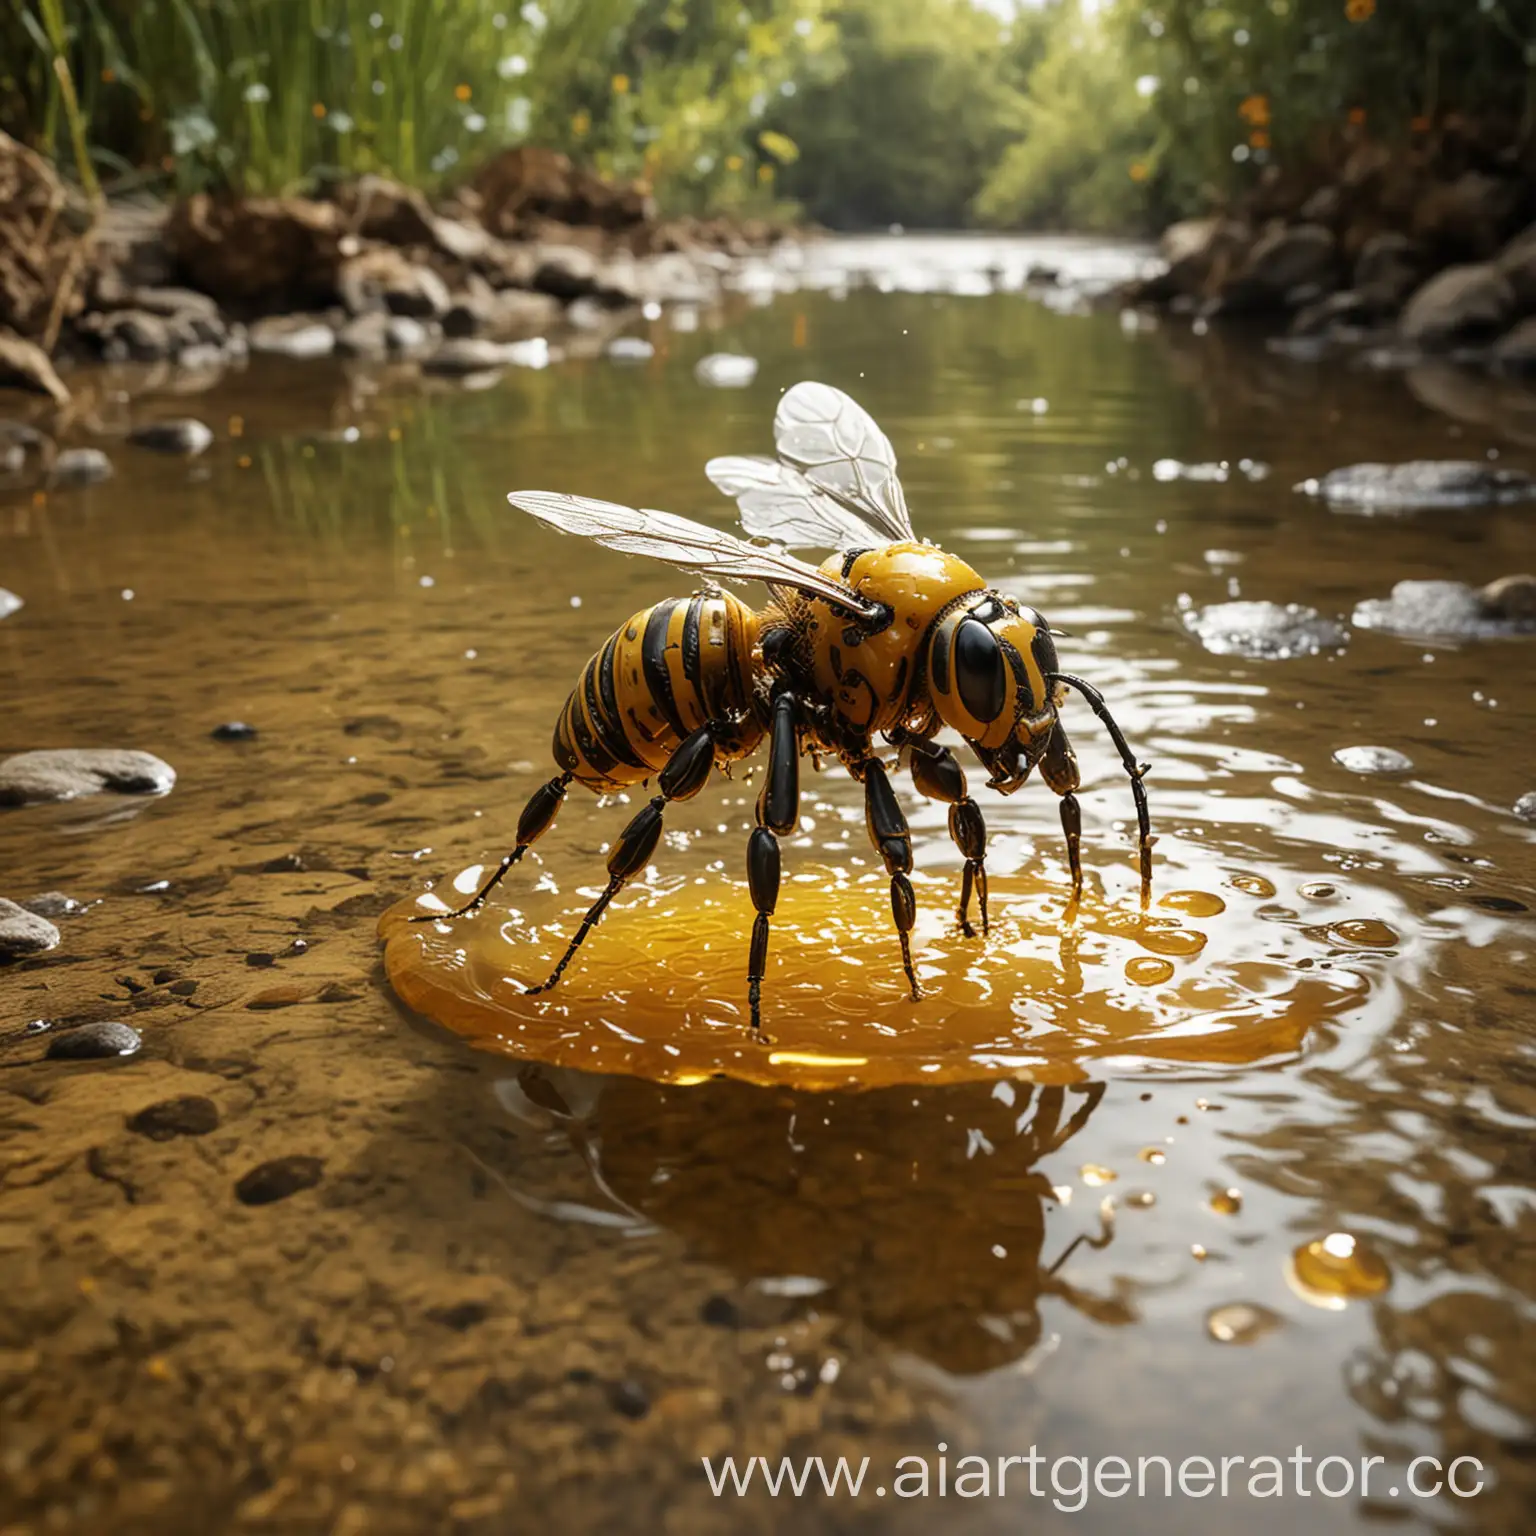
(631, 349)
(172, 301)
(1525, 807)
(567, 272)
(725, 370)
(189, 1115)
(23, 933)
(460, 356)
(24, 452)
(424, 297)
(9, 603)
(292, 336)
(185, 436)
(234, 730)
(1517, 262)
(80, 466)
(511, 314)
(91, 1042)
(365, 335)
(1420, 485)
(53, 904)
(385, 278)
(24, 365)
(141, 335)
(1337, 313)
(1388, 269)
(278, 1179)
(1453, 609)
(406, 335)
(1461, 304)
(1293, 263)
(1264, 631)
(31, 778)
(1381, 760)
(1514, 353)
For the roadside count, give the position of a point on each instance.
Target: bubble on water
(1226, 1202)
(1195, 903)
(1333, 1270)
(1148, 970)
(1364, 933)
(1096, 1174)
(1254, 885)
(1241, 1322)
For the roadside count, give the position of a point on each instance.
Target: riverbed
(499, 1300)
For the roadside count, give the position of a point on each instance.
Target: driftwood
(46, 238)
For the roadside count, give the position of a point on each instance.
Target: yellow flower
(621, 85)
(1359, 10)
(765, 174)
(733, 162)
(1140, 170)
(1255, 111)
(580, 123)
(462, 92)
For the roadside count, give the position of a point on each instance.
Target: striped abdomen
(669, 670)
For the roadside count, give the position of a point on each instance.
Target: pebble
(1420, 485)
(31, 778)
(1453, 609)
(1525, 807)
(461, 356)
(725, 370)
(80, 466)
(23, 933)
(9, 603)
(234, 730)
(90, 1042)
(402, 333)
(1241, 1322)
(630, 1398)
(1373, 760)
(631, 349)
(53, 904)
(189, 1115)
(185, 436)
(292, 336)
(278, 1179)
(1264, 631)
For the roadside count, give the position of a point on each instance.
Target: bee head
(988, 666)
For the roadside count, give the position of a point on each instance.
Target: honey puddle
(659, 990)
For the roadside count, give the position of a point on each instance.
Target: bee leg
(889, 833)
(1058, 767)
(686, 773)
(537, 818)
(937, 773)
(778, 813)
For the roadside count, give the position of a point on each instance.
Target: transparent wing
(778, 502)
(835, 443)
(664, 536)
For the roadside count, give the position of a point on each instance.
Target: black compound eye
(1043, 647)
(979, 671)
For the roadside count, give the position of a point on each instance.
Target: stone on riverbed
(1451, 608)
(1373, 760)
(1420, 485)
(1461, 304)
(1525, 807)
(185, 436)
(23, 933)
(293, 336)
(24, 365)
(32, 778)
(80, 466)
(52, 904)
(92, 1042)
(9, 603)
(725, 370)
(1264, 631)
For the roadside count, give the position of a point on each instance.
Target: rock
(24, 365)
(631, 349)
(1421, 485)
(32, 778)
(629, 1398)
(1460, 304)
(1390, 266)
(9, 603)
(379, 209)
(1338, 312)
(1286, 262)
(278, 1179)
(1514, 354)
(1525, 807)
(292, 336)
(1383, 760)
(1323, 207)
(365, 335)
(406, 335)
(190, 1115)
(52, 904)
(184, 435)
(1466, 219)
(388, 279)
(234, 730)
(460, 356)
(1453, 609)
(725, 370)
(25, 453)
(91, 1042)
(1200, 254)
(284, 251)
(508, 315)
(1264, 631)
(23, 933)
(566, 272)
(1517, 263)
(80, 466)
(526, 184)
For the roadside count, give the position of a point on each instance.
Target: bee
(889, 639)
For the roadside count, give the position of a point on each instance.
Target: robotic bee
(889, 637)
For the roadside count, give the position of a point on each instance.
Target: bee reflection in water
(919, 1212)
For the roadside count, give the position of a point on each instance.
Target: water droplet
(1198, 1251)
(1141, 1199)
(1195, 903)
(1319, 890)
(1154, 1155)
(1179, 942)
(1095, 1174)
(1254, 885)
(1364, 933)
(1148, 970)
(1227, 1202)
(1241, 1322)
(1331, 1270)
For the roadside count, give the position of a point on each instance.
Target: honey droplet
(1095, 1174)
(1364, 933)
(1227, 1202)
(1337, 1268)
(1241, 1322)
(1148, 970)
(1195, 903)
(1319, 890)
(1141, 1199)
(1154, 1155)
(1180, 942)
(1254, 885)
